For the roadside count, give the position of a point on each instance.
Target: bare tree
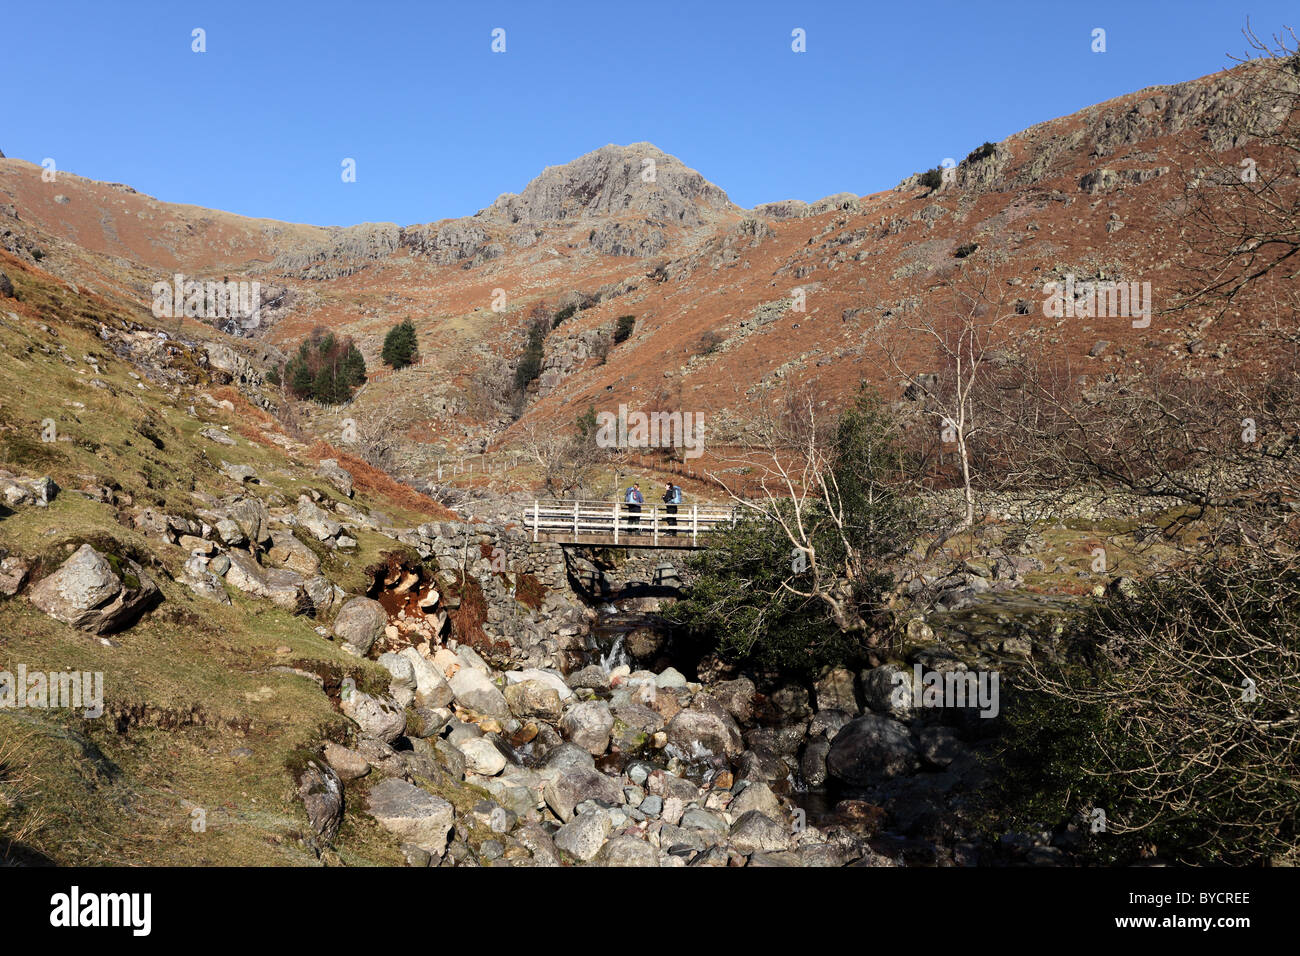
(963, 341)
(794, 473)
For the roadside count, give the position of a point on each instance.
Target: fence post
(575, 520)
(655, 513)
(695, 525)
(616, 521)
(537, 517)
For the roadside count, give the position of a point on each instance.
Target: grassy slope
(196, 717)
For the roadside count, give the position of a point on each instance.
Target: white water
(616, 656)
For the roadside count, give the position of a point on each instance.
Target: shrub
(623, 328)
(983, 152)
(530, 363)
(1148, 718)
(931, 178)
(563, 315)
(400, 345)
(965, 250)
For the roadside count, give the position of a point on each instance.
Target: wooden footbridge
(609, 524)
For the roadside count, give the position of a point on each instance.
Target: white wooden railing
(574, 520)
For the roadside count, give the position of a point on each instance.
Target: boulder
(887, 689)
(378, 718)
(588, 726)
(627, 851)
(576, 785)
(869, 748)
(316, 521)
(245, 574)
(835, 691)
(286, 550)
(196, 576)
(754, 832)
(704, 727)
(94, 593)
(482, 756)
(360, 623)
(13, 574)
(584, 835)
(431, 688)
(412, 814)
(336, 475)
(532, 698)
(474, 689)
(756, 796)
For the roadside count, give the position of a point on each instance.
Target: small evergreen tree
(400, 346)
(623, 328)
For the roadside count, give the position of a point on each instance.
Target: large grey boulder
(286, 550)
(360, 623)
(627, 851)
(378, 718)
(482, 756)
(316, 521)
(869, 748)
(414, 815)
(577, 785)
(250, 514)
(754, 832)
(588, 725)
(584, 835)
(431, 688)
(532, 698)
(704, 728)
(336, 475)
(475, 690)
(90, 592)
(245, 574)
(835, 691)
(196, 576)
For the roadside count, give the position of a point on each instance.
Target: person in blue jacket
(634, 500)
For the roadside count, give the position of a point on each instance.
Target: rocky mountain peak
(638, 178)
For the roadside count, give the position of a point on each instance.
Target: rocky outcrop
(612, 180)
(95, 592)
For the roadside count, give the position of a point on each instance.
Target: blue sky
(439, 125)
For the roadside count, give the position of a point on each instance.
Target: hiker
(634, 501)
(672, 498)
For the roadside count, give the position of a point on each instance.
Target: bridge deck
(611, 524)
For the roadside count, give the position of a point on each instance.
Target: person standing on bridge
(634, 500)
(672, 498)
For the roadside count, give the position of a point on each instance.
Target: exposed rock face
(611, 180)
(447, 242)
(346, 251)
(89, 593)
